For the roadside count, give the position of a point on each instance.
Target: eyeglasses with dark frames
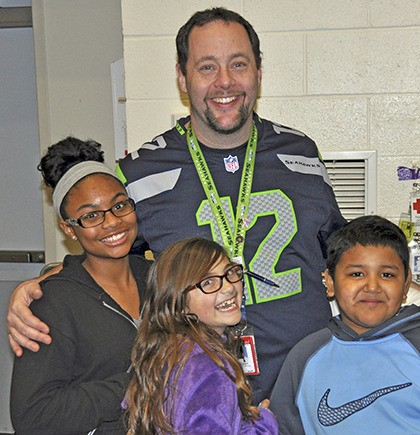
(212, 284)
(96, 217)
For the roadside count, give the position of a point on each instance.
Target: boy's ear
(329, 284)
(407, 284)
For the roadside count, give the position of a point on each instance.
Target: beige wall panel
(155, 119)
(395, 126)
(150, 68)
(394, 13)
(283, 15)
(334, 124)
(283, 64)
(364, 62)
(164, 17)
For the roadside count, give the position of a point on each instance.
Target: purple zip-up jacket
(205, 402)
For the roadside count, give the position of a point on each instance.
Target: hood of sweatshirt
(407, 319)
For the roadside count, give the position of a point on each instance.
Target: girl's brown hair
(167, 335)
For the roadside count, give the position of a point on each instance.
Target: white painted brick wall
(346, 72)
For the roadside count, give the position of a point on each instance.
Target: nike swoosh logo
(328, 416)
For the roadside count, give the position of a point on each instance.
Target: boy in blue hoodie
(362, 373)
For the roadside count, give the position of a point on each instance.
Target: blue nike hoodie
(338, 382)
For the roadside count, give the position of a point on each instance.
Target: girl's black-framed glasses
(213, 283)
(96, 217)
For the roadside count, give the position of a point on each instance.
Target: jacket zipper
(118, 312)
(125, 317)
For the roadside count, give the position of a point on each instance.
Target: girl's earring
(330, 298)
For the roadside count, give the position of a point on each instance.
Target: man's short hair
(207, 16)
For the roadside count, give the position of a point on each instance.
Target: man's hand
(24, 328)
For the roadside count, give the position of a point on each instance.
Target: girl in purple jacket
(187, 376)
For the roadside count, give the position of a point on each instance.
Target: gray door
(21, 227)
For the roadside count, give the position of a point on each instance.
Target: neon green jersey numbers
(269, 251)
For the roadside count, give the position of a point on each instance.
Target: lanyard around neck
(234, 243)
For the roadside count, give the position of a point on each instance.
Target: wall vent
(353, 178)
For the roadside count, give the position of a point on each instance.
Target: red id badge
(248, 358)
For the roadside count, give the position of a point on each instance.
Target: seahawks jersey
(292, 212)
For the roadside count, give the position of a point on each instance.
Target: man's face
(221, 80)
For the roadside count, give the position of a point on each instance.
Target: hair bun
(66, 153)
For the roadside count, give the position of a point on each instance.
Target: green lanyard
(234, 243)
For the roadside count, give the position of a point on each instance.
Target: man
(256, 187)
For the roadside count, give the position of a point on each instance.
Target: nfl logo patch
(231, 164)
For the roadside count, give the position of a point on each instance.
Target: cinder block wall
(346, 72)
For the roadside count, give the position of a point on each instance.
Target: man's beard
(214, 125)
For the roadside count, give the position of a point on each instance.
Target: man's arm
(24, 329)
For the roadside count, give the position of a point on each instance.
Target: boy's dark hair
(207, 16)
(367, 231)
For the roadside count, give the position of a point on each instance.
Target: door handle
(22, 256)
